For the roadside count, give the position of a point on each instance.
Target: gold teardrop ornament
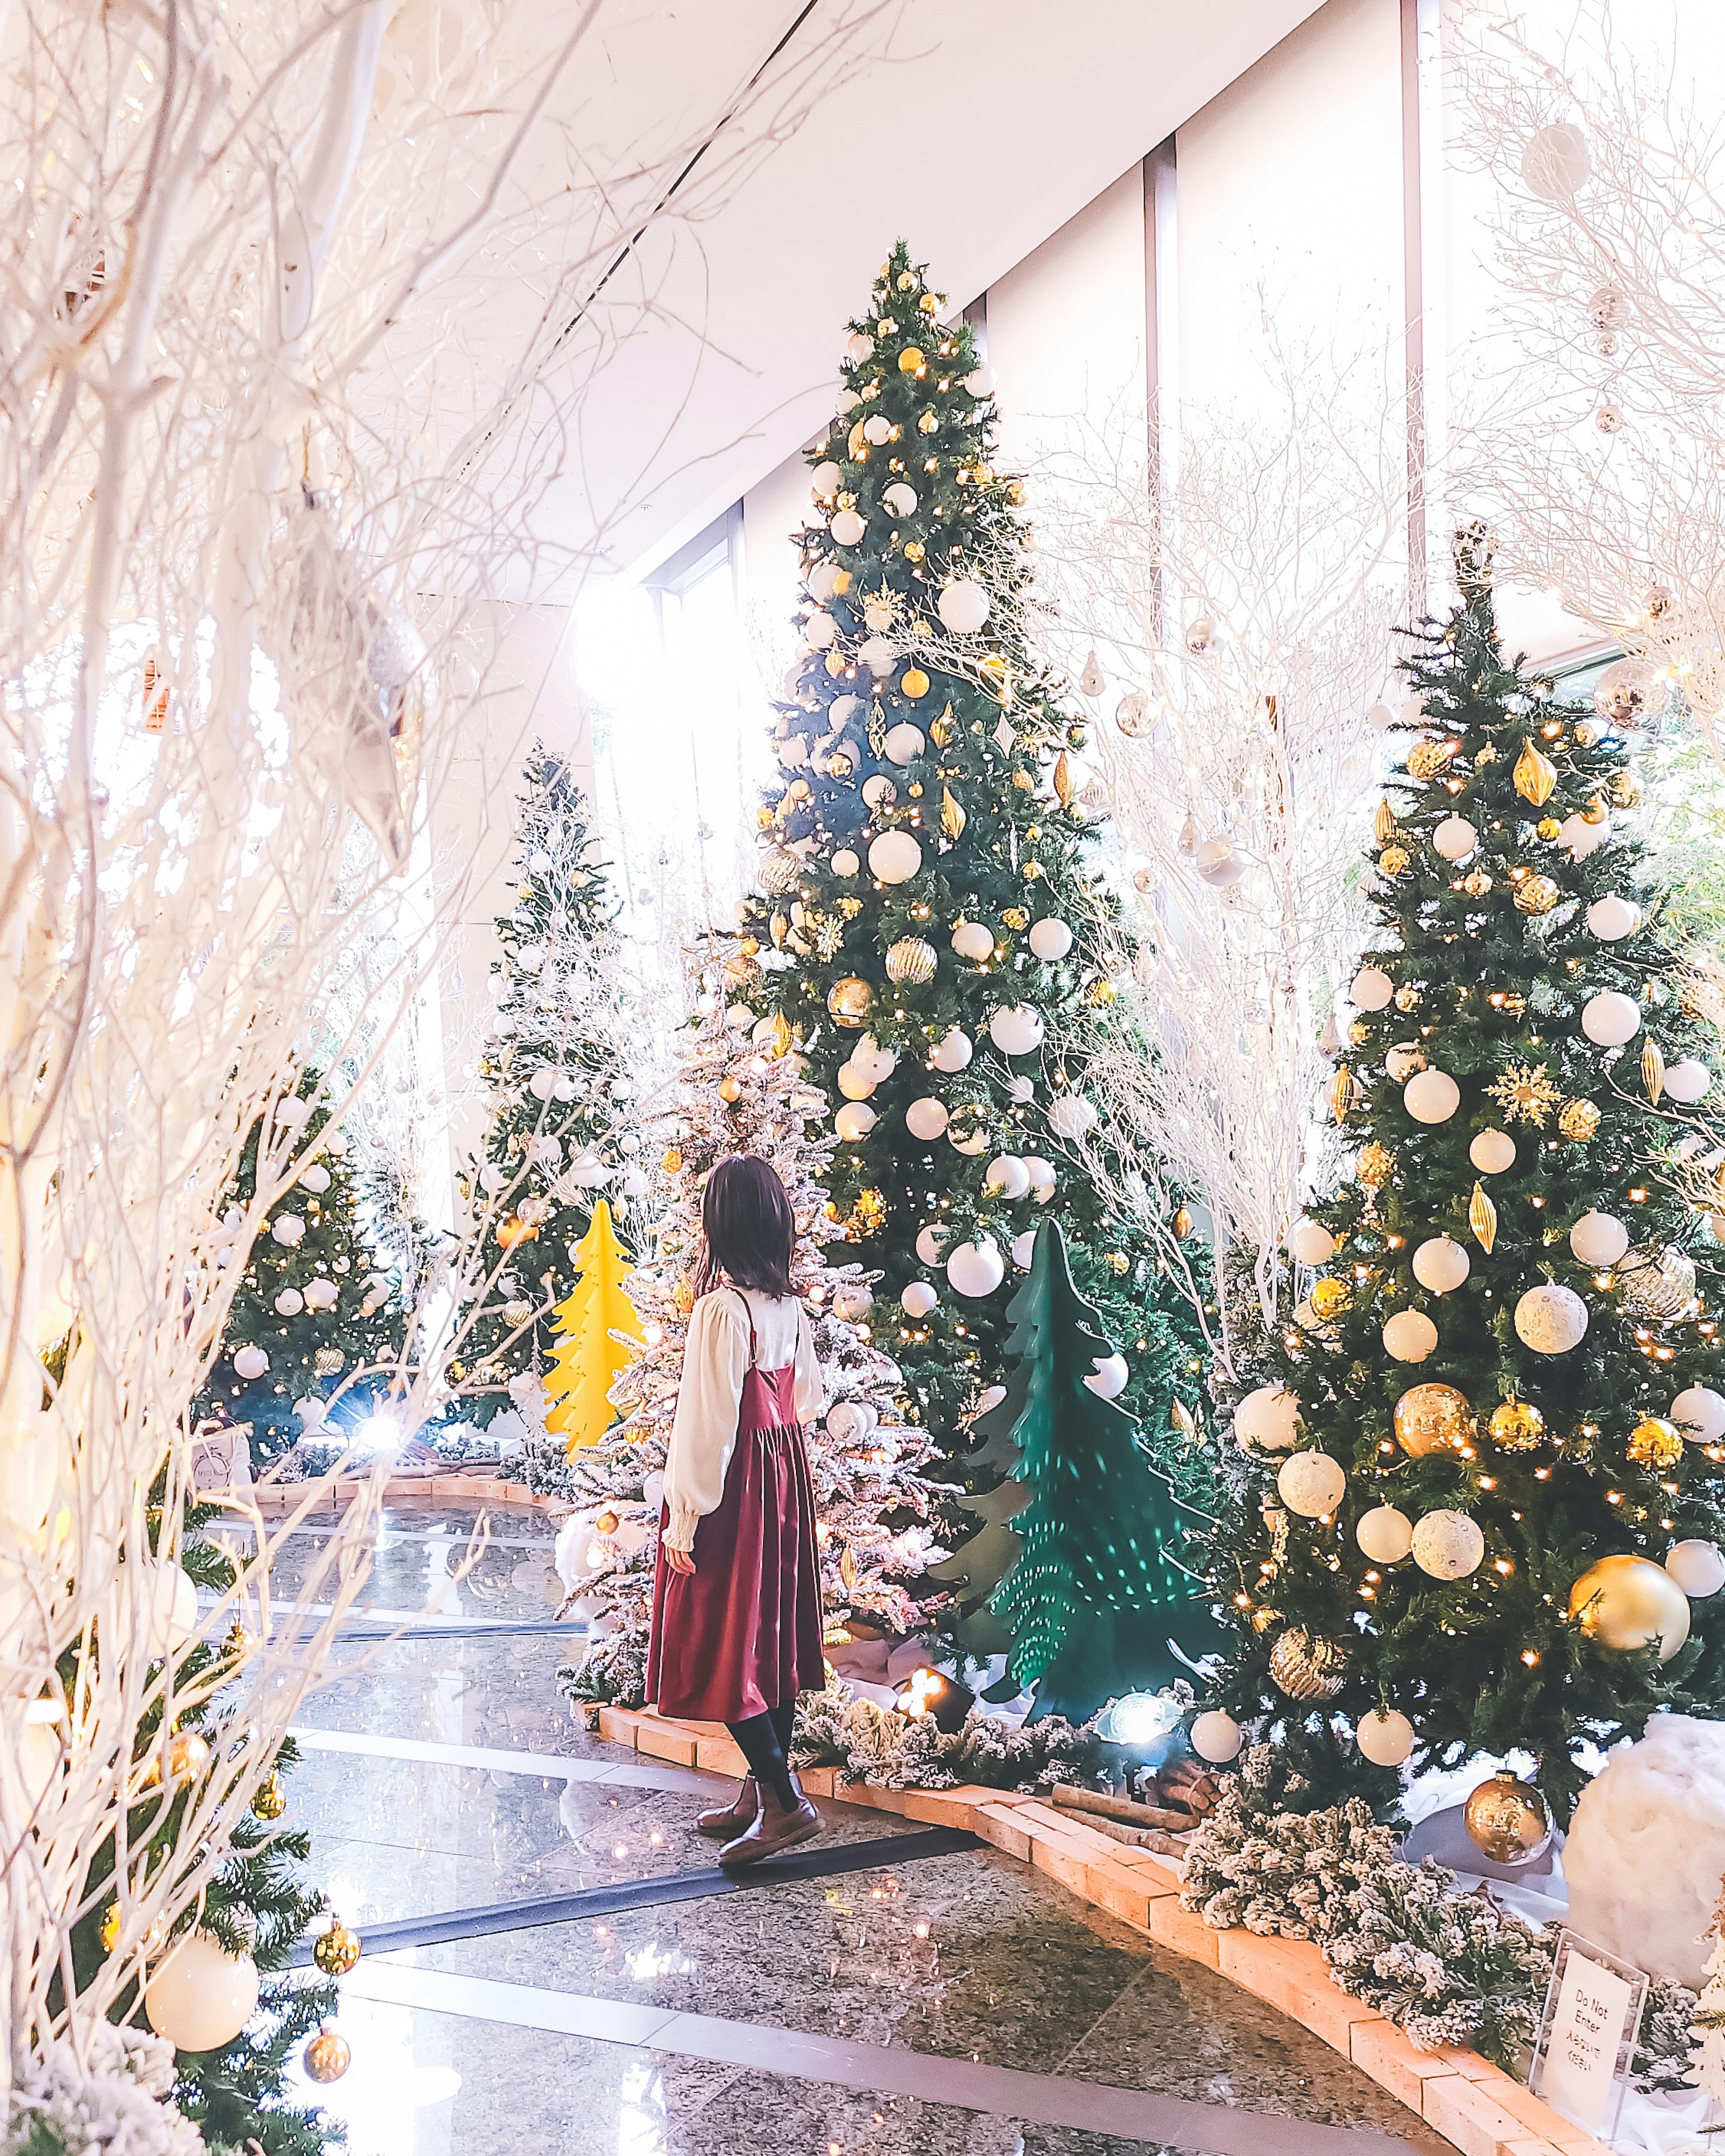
(1653, 1071)
(1341, 1092)
(952, 816)
(1384, 824)
(1482, 1218)
(1536, 776)
(780, 1040)
(1065, 789)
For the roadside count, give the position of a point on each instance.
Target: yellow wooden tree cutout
(586, 1358)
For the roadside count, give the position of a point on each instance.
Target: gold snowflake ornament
(1525, 1091)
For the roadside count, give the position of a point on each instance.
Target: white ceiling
(974, 128)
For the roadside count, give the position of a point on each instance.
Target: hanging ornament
(1091, 681)
(1655, 1442)
(1657, 1284)
(1051, 940)
(1550, 1319)
(270, 1801)
(1612, 918)
(1216, 1737)
(201, 1996)
(1536, 776)
(952, 817)
(903, 743)
(1699, 1413)
(1688, 1081)
(1384, 1737)
(1598, 1240)
(1442, 1265)
(1384, 824)
(847, 1001)
(1652, 1071)
(336, 1951)
(1218, 865)
(1610, 1018)
(895, 857)
(1385, 1534)
(1342, 1092)
(1455, 839)
(1508, 1820)
(1267, 1419)
(1517, 1427)
(1577, 1119)
(1394, 860)
(1433, 1419)
(911, 960)
(1401, 1062)
(1537, 894)
(854, 1121)
(1427, 759)
(1697, 1567)
(1064, 787)
(1410, 1336)
(1329, 1298)
(1431, 1097)
(1305, 1668)
(913, 683)
(327, 2055)
(971, 940)
(1626, 1605)
(1482, 1218)
(1371, 989)
(1448, 1544)
(1311, 1244)
(1136, 716)
(1312, 1484)
(1556, 163)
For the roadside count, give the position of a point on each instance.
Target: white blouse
(709, 1399)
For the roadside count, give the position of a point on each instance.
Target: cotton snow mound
(1646, 1850)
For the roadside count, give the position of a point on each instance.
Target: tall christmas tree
(312, 1308)
(871, 1495)
(561, 1072)
(1081, 1573)
(588, 1353)
(930, 931)
(1499, 1526)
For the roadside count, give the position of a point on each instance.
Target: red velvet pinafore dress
(742, 1632)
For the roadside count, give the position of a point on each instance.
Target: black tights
(765, 1742)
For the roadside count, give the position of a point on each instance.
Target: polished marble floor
(946, 2005)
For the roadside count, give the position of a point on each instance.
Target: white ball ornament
(895, 857)
(1311, 1244)
(289, 1230)
(202, 1997)
(1492, 1152)
(1267, 1419)
(1380, 717)
(1403, 1060)
(1371, 990)
(1431, 1097)
(1455, 839)
(879, 654)
(1550, 1319)
(321, 1294)
(1409, 1337)
(1023, 1250)
(850, 1421)
(1578, 838)
(930, 1242)
(1071, 1117)
(1699, 1412)
(953, 1052)
(853, 1083)
(824, 482)
(1442, 1265)
(1557, 163)
(1611, 919)
(1598, 1239)
(1610, 1018)
(290, 1302)
(900, 499)
(926, 1118)
(1447, 1544)
(543, 1083)
(1110, 1378)
(1218, 864)
(845, 863)
(1697, 1567)
(968, 1142)
(1312, 1484)
(1384, 1737)
(316, 1177)
(1688, 1081)
(1007, 1177)
(251, 1361)
(171, 1606)
(964, 607)
(1385, 1534)
(872, 1059)
(971, 940)
(859, 348)
(852, 1301)
(821, 631)
(980, 381)
(1042, 1177)
(877, 429)
(1050, 940)
(847, 528)
(854, 1121)
(918, 1299)
(903, 742)
(1017, 1030)
(1217, 1737)
(976, 1268)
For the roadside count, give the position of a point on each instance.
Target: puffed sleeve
(808, 1387)
(704, 1434)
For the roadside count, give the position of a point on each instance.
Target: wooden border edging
(1476, 2107)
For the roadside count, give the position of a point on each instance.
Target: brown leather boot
(726, 1821)
(774, 1829)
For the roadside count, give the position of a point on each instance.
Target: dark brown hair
(749, 1228)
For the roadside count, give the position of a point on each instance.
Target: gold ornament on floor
(911, 960)
(1427, 758)
(1377, 1164)
(1508, 1821)
(1537, 894)
(1626, 1604)
(1656, 1443)
(1394, 860)
(848, 1001)
(1342, 1093)
(1517, 1426)
(1653, 1071)
(1525, 1093)
(271, 1800)
(1329, 1297)
(1308, 1669)
(1476, 883)
(1655, 1284)
(1579, 1120)
(1482, 1218)
(1536, 776)
(336, 1950)
(1433, 1419)
(327, 2056)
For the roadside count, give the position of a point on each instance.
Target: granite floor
(949, 2005)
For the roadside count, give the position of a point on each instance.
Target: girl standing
(736, 1628)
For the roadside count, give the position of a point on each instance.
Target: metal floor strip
(873, 1855)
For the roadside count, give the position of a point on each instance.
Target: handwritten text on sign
(1588, 2024)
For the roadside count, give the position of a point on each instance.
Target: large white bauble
(289, 1230)
(1267, 1419)
(853, 1301)
(1218, 865)
(859, 347)
(1557, 163)
(880, 654)
(976, 1268)
(1385, 1534)
(201, 1997)
(1456, 838)
(850, 1421)
(1579, 837)
(1384, 1737)
(822, 578)
(1217, 1737)
(543, 1083)
(1016, 1030)
(1050, 940)
(854, 1121)
(1448, 1544)
(872, 1060)
(1442, 1265)
(1610, 1018)
(930, 1242)
(251, 1361)
(964, 607)
(1688, 1081)
(1492, 1152)
(1007, 1177)
(903, 742)
(38, 1759)
(852, 1083)
(316, 1177)
(1371, 990)
(971, 940)
(1550, 1319)
(1023, 1250)
(793, 752)
(1431, 1097)
(820, 630)
(1312, 1484)
(169, 1606)
(1311, 1244)
(1697, 1567)
(954, 1052)
(1598, 1239)
(843, 709)
(1410, 1336)
(900, 499)
(1699, 1412)
(1071, 1116)
(1414, 711)
(918, 1299)
(966, 1140)
(1611, 919)
(293, 1114)
(847, 528)
(877, 429)
(1110, 1377)
(846, 862)
(925, 1118)
(895, 857)
(824, 483)
(321, 1293)
(1042, 1177)
(288, 1304)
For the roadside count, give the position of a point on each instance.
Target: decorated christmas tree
(313, 1312)
(588, 1353)
(563, 1074)
(931, 931)
(1497, 1521)
(871, 1495)
(1080, 1574)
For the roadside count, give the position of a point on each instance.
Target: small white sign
(1592, 2011)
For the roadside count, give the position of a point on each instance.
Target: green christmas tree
(1080, 1572)
(1505, 1376)
(312, 1308)
(931, 934)
(562, 1070)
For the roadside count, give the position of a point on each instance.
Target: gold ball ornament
(1548, 827)
(1656, 1443)
(730, 1088)
(188, 1755)
(1579, 1120)
(1627, 1604)
(911, 960)
(327, 2056)
(1407, 997)
(1476, 883)
(1307, 1669)
(337, 1951)
(1394, 860)
(1329, 1297)
(271, 1800)
(848, 1001)
(912, 362)
(914, 682)
(1433, 1419)
(1517, 1426)
(1508, 1821)
(1427, 758)
(1537, 894)
(672, 1162)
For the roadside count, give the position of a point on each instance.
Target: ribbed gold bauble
(911, 960)
(1508, 1820)
(1307, 1669)
(1537, 894)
